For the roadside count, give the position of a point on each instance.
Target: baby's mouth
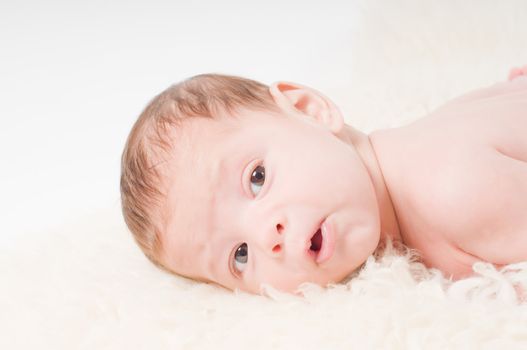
(316, 241)
(322, 243)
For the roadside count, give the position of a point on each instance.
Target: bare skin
(460, 191)
(451, 185)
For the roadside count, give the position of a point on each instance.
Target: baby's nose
(273, 240)
(277, 248)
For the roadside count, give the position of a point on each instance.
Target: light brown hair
(142, 194)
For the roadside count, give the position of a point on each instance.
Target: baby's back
(458, 179)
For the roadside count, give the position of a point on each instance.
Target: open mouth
(322, 243)
(316, 241)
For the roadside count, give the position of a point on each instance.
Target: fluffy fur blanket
(87, 285)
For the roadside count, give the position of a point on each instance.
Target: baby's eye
(257, 179)
(241, 255)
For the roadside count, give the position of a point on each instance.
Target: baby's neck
(362, 144)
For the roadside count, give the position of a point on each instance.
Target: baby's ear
(296, 98)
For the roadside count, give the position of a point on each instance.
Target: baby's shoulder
(458, 178)
(471, 188)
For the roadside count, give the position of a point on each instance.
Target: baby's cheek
(360, 242)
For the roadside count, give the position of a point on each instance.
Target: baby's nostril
(277, 248)
(279, 228)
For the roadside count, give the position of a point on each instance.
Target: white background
(75, 75)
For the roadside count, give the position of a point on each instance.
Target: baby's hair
(142, 196)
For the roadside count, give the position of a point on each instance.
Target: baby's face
(248, 195)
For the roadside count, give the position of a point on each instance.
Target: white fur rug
(87, 286)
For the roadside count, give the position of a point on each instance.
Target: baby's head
(230, 181)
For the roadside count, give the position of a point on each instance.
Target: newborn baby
(229, 181)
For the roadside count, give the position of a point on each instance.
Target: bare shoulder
(472, 208)
(458, 179)
(492, 201)
(495, 176)
(469, 184)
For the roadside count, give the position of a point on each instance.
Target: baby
(230, 181)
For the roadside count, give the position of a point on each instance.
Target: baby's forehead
(202, 140)
(190, 136)
(199, 142)
(195, 129)
(195, 145)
